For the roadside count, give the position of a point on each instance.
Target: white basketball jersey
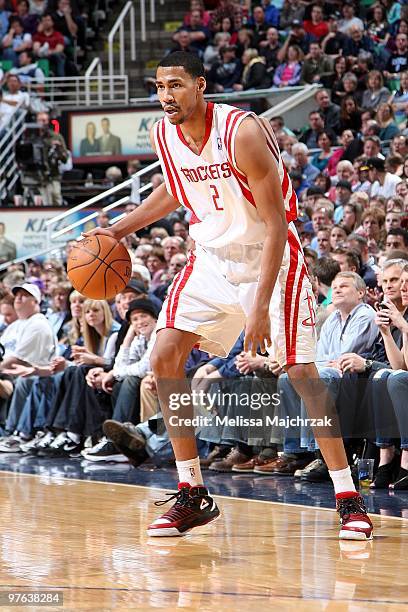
(210, 184)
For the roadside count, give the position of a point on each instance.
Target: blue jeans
(126, 399)
(397, 386)
(302, 438)
(382, 407)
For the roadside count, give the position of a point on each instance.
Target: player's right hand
(99, 231)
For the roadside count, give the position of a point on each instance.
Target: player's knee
(300, 371)
(165, 360)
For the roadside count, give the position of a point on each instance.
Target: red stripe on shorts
(290, 281)
(296, 313)
(180, 286)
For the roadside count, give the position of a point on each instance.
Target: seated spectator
(198, 33)
(212, 52)
(345, 139)
(357, 42)
(322, 216)
(50, 44)
(346, 258)
(15, 41)
(254, 75)
(398, 62)
(29, 20)
(395, 164)
(323, 241)
(325, 270)
(225, 8)
(197, 5)
(350, 114)
(244, 41)
(7, 312)
(269, 49)
(382, 183)
(29, 71)
(316, 26)
(292, 11)
(359, 243)
(375, 93)
(71, 26)
(348, 18)
(316, 126)
(396, 240)
(344, 172)
(372, 223)
(130, 366)
(321, 159)
(397, 390)
(183, 43)
(29, 339)
(300, 153)
(399, 99)
(332, 45)
(59, 314)
(288, 73)
(226, 72)
(386, 120)
(351, 216)
(258, 25)
(4, 19)
(349, 87)
(38, 7)
(297, 37)
(378, 28)
(329, 111)
(316, 66)
(334, 81)
(11, 99)
(372, 147)
(343, 195)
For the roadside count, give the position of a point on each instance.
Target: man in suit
(108, 143)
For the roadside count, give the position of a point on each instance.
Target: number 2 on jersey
(216, 197)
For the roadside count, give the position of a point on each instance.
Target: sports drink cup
(365, 472)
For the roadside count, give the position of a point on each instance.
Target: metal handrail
(104, 194)
(128, 9)
(96, 63)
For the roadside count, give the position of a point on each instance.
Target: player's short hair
(189, 61)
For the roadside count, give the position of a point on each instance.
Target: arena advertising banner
(25, 231)
(112, 136)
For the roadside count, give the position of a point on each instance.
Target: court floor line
(202, 592)
(124, 484)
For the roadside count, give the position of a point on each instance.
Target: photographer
(55, 153)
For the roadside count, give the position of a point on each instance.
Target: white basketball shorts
(214, 293)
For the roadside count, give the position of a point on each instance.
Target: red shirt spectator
(316, 26)
(46, 33)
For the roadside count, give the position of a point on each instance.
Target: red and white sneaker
(355, 523)
(193, 507)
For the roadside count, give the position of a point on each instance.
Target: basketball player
(248, 271)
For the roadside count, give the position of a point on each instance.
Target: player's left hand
(257, 332)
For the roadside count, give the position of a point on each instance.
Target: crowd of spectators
(70, 363)
(349, 168)
(40, 39)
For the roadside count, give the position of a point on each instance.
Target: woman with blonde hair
(375, 93)
(386, 120)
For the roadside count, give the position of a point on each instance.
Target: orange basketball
(99, 267)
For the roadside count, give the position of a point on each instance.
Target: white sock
(190, 471)
(342, 480)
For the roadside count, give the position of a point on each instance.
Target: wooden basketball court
(87, 540)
